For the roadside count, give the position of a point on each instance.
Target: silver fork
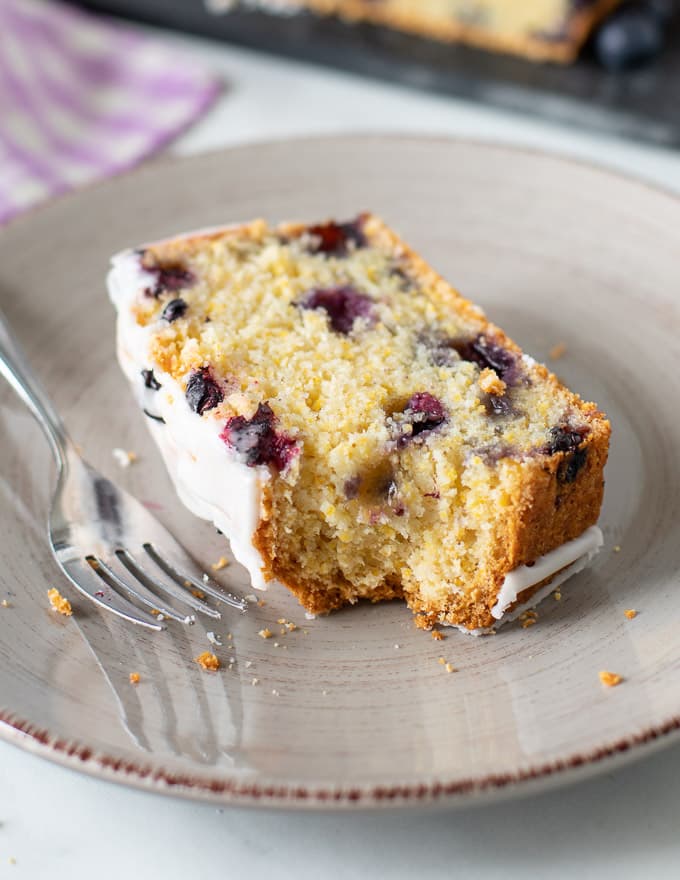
(109, 546)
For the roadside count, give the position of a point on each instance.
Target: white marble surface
(624, 824)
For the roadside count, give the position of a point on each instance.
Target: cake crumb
(221, 563)
(208, 661)
(281, 620)
(276, 645)
(134, 678)
(557, 595)
(420, 621)
(630, 613)
(557, 351)
(491, 383)
(255, 682)
(124, 458)
(265, 633)
(528, 618)
(275, 692)
(59, 603)
(261, 603)
(449, 668)
(197, 594)
(437, 635)
(396, 647)
(213, 638)
(248, 664)
(610, 679)
(617, 548)
(441, 661)
(290, 626)
(5, 604)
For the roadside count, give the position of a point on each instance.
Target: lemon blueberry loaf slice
(353, 425)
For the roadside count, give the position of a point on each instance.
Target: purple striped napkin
(82, 98)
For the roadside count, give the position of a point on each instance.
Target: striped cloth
(82, 98)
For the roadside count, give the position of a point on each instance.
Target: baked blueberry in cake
(355, 427)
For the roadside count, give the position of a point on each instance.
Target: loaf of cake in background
(541, 30)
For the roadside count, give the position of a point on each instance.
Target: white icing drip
(585, 546)
(209, 479)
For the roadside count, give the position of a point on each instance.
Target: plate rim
(330, 795)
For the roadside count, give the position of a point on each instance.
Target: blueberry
(335, 239)
(351, 487)
(343, 305)
(174, 310)
(566, 439)
(150, 381)
(563, 439)
(203, 392)
(487, 354)
(423, 412)
(497, 405)
(169, 278)
(630, 38)
(257, 441)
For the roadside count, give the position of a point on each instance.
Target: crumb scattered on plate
(449, 668)
(134, 678)
(59, 603)
(123, 457)
(437, 635)
(617, 548)
(610, 679)
(528, 618)
(630, 613)
(5, 603)
(265, 633)
(557, 596)
(255, 681)
(221, 563)
(557, 351)
(208, 661)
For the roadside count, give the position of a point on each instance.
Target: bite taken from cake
(355, 427)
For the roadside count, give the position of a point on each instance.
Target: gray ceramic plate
(355, 709)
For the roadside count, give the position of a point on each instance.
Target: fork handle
(14, 367)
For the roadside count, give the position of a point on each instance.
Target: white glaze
(209, 479)
(215, 485)
(581, 549)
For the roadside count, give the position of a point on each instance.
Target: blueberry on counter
(632, 36)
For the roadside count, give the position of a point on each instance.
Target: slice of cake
(355, 427)
(541, 30)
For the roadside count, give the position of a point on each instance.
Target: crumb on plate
(630, 613)
(59, 603)
(610, 679)
(265, 633)
(437, 635)
(123, 457)
(221, 563)
(134, 678)
(208, 661)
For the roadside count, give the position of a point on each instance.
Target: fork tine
(167, 584)
(87, 582)
(180, 568)
(114, 567)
